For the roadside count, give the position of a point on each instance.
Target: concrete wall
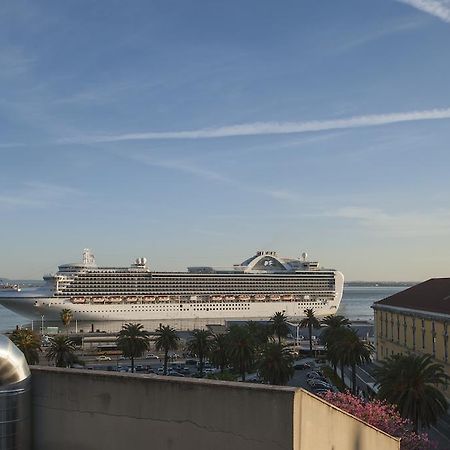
(86, 410)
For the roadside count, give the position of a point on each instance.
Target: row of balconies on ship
(201, 287)
(203, 276)
(215, 282)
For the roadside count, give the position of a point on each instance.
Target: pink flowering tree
(383, 416)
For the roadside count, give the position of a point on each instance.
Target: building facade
(416, 320)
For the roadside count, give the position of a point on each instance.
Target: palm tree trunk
(132, 364)
(354, 379)
(243, 372)
(310, 337)
(200, 357)
(166, 352)
(334, 368)
(342, 373)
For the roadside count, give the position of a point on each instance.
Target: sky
(199, 132)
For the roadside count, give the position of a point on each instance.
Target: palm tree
(276, 364)
(219, 352)
(62, 351)
(199, 345)
(411, 382)
(351, 351)
(311, 322)
(167, 339)
(280, 325)
(334, 324)
(66, 317)
(242, 349)
(28, 343)
(133, 340)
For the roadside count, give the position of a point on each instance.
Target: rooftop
(432, 296)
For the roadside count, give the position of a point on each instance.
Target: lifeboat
(288, 297)
(275, 297)
(148, 299)
(98, 300)
(216, 298)
(244, 297)
(260, 297)
(115, 300)
(163, 299)
(78, 300)
(131, 299)
(230, 297)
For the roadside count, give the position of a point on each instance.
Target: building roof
(432, 296)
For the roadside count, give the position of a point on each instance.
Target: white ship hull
(255, 290)
(35, 307)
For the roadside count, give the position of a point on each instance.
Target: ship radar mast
(88, 258)
(304, 256)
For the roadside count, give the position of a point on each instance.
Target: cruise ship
(253, 290)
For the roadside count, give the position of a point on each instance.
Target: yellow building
(415, 320)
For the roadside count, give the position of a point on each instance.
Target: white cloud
(267, 128)
(437, 8)
(400, 225)
(37, 195)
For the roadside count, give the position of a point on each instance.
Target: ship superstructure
(253, 290)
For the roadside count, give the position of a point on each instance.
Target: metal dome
(13, 365)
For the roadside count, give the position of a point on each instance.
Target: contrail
(267, 128)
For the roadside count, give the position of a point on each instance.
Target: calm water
(357, 300)
(355, 304)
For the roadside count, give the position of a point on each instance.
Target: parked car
(151, 356)
(302, 366)
(315, 374)
(175, 374)
(319, 383)
(191, 362)
(103, 358)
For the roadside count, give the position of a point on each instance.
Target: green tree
(411, 382)
(200, 345)
(133, 340)
(242, 349)
(62, 351)
(333, 326)
(259, 333)
(276, 364)
(166, 340)
(351, 351)
(66, 317)
(28, 343)
(219, 351)
(311, 322)
(280, 325)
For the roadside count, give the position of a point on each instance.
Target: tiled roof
(432, 296)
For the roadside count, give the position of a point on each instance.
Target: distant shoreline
(381, 283)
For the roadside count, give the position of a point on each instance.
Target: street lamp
(42, 324)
